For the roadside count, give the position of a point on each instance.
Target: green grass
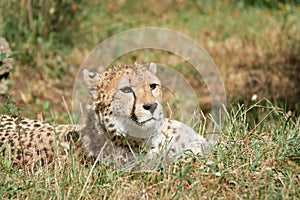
(258, 160)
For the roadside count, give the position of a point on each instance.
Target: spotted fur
(28, 141)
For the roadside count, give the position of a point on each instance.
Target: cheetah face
(128, 99)
(137, 100)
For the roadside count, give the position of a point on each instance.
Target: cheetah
(125, 121)
(126, 115)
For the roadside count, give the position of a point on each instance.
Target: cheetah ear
(90, 79)
(153, 68)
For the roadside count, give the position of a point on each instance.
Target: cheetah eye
(153, 86)
(126, 90)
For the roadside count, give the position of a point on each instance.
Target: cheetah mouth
(143, 121)
(146, 121)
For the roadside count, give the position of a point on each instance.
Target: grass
(256, 46)
(258, 160)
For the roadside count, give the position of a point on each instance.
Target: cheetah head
(127, 99)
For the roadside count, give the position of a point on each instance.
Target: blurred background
(255, 44)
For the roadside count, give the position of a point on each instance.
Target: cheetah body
(31, 141)
(125, 119)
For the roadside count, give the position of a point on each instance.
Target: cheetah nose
(150, 106)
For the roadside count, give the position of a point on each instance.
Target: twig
(66, 106)
(29, 11)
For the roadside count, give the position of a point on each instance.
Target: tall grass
(258, 161)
